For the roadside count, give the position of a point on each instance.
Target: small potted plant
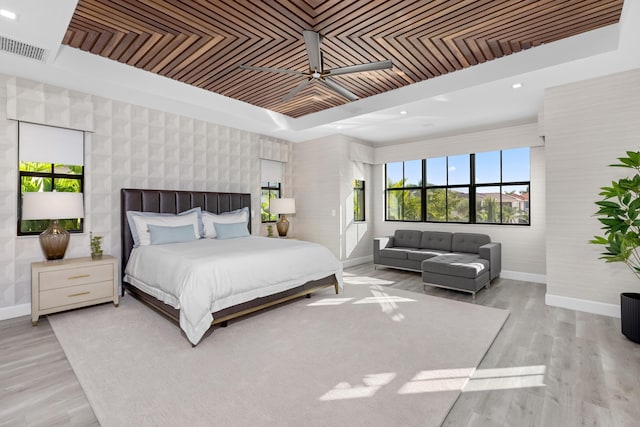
(96, 246)
(619, 213)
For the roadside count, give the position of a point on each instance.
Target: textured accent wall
(587, 126)
(523, 248)
(129, 146)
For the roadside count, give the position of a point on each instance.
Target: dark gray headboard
(170, 201)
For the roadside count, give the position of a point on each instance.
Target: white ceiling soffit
(476, 97)
(38, 29)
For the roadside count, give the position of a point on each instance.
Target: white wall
(523, 248)
(587, 125)
(128, 146)
(316, 188)
(323, 174)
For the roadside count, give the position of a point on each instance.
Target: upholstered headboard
(170, 201)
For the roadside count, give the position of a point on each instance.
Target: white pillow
(134, 231)
(142, 224)
(208, 218)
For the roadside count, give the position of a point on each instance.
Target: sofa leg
(473, 298)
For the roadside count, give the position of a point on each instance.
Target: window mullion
(472, 189)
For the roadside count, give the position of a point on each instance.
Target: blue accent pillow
(161, 234)
(231, 231)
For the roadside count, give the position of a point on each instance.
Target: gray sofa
(461, 261)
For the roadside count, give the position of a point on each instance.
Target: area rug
(371, 356)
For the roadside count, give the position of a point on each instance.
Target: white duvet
(207, 275)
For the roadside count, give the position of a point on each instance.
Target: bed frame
(170, 201)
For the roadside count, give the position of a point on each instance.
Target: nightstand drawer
(75, 276)
(75, 294)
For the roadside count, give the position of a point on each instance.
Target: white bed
(208, 275)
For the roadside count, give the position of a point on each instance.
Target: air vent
(23, 49)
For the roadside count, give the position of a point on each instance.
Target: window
(488, 188)
(271, 174)
(270, 190)
(502, 197)
(358, 200)
(50, 159)
(447, 189)
(404, 197)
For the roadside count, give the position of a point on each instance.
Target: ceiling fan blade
(379, 65)
(339, 89)
(272, 70)
(312, 42)
(296, 90)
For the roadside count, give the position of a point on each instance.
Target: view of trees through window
(491, 187)
(35, 176)
(358, 200)
(270, 190)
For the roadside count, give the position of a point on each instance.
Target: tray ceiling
(203, 43)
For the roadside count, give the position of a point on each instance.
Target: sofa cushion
(407, 238)
(395, 253)
(422, 254)
(468, 242)
(456, 264)
(440, 240)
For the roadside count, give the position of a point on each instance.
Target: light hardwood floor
(591, 377)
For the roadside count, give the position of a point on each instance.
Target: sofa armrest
(492, 252)
(381, 243)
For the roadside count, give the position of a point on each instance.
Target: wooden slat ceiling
(203, 42)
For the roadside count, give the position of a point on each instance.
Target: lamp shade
(282, 206)
(52, 205)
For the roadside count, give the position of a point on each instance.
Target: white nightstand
(71, 283)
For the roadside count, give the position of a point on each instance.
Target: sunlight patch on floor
(365, 280)
(371, 384)
(507, 378)
(383, 299)
(330, 301)
(443, 380)
(469, 379)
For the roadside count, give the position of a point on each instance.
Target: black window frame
(472, 188)
(359, 196)
(270, 189)
(52, 175)
(404, 189)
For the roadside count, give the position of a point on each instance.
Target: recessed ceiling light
(516, 85)
(8, 14)
(338, 127)
(403, 112)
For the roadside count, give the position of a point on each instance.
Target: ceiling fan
(317, 72)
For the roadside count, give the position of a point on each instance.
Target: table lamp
(282, 207)
(53, 206)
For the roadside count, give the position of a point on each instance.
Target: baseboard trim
(527, 277)
(15, 311)
(594, 307)
(357, 261)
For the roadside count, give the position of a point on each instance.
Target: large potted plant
(619, 213)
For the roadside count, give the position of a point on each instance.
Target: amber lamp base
(283, 226)
(54, 241)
